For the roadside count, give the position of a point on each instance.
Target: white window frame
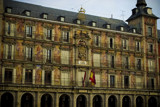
(138, 44)
(125, 43)
(97, 40)
(65, 78)
(96, 59)
(65, 36)
(64, 57)
(151, 66)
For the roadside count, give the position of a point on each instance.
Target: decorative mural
(82, 50)
(19, 71)
(20, 26)
(104, 40)
(19, 51)
(39, 31)
(104, 58)
(57, 76)
(104, 77)
(57, 33)
(38, 75)
(38, 53)
(57, 54)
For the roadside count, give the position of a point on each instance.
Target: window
(8, 75)
(78, 21)
(125, 44)
(81, 76)
(62, 19)
(126, 62)
(65, 57)
(108, 26)
(98, 80)
(49, 55)
(122, 28)
(65, 78)
(93, 24)
(9, 29)
(65, 36)
(96, 60)
(96, 40)
(134, 30)
(138, 46)
(112, 61)
(27, 13)
(149, 31)
(49, 34)
(8, 53)
(47, 77)
(126, 81)
(151, 83)
(111, 43)
(29, 51)
(45, 16)
(150, 48)
(28, 76)
(138, 64)
(112, 81)
(9, 10)
(29, 31)
(151, 66)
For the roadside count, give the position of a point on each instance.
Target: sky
(118, 9)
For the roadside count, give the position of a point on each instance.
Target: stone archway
(81, 101)
(112, 101)
(7, 100)
(27, 100)
(126, 101)
(46, 100)
(97, 101)
(139, 101)
(64, 101)
(152, 102)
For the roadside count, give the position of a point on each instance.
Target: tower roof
(141, 3)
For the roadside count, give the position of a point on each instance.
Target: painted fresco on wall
(20, 28)
(104, 78)
(19, 71)
(38, 74)
(39, 31)
(104, 59)
(133, 81)
(38, 53)
(1, 52)
(57, 76)
(19, 50)
(57, 33)
(132, 60)
(103, 40)
(119, 59)
(57, 54)
(118, 41)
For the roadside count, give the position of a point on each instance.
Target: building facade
(47, 57)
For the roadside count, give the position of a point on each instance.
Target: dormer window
(9, 10)
(27, 13)
(62, 19)
(108, 26)
(122, 28)
(93, 24)
(78, 21)
(45, 16)
(134, 30)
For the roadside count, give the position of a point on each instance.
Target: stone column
(121, 100)
(90, 100)
(146, 101)
(23, 76)
(57, 100)
(3, 74)
(38, 99)
(14, 76)
(43, 77)
(33, 77)
(74, 100)
(106, 100)
(52, 77)
(18, 99)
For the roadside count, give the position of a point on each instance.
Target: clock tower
(145, 22)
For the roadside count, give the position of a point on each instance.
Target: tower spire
(141, 3)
